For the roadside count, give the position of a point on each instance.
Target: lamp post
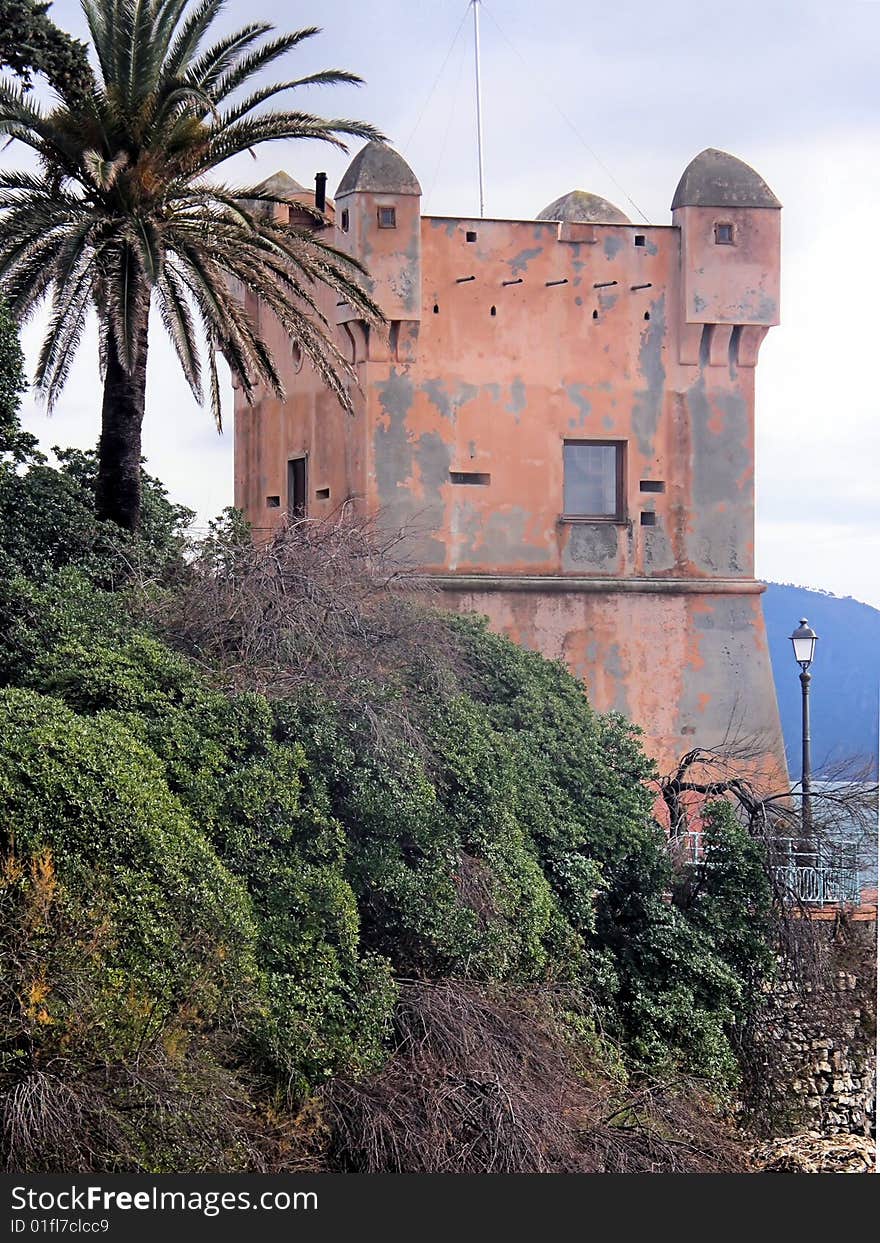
(804, 643)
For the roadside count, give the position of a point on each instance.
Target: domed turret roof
(379, 169)
(282, 183)
(716, 179)
(581, 207)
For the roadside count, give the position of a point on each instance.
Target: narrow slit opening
(477, 478)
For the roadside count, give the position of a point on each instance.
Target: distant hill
(846, 675)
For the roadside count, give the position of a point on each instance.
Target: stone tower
(562, 412)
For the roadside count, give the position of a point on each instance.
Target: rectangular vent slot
(273, 502)
(469, 476)
(649, 518)
(652, 485)
(323, 494)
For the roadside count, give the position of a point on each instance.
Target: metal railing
(821, 877)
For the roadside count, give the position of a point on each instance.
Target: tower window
(470, 235)
(724, 235)
(387, 217)
(344, 220)
(640, 239)
(593, 479)
(296, 489)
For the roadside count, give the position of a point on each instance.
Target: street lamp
(804, 643)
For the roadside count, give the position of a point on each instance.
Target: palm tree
(122, 214)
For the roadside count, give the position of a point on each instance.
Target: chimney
(320, 190)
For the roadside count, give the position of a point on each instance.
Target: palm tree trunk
(118, 495)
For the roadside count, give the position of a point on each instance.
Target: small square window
(593, 479)
(273, 502)
(724, 235)
(640, 239)
(387, 217)
(344, 220)
(470, 235)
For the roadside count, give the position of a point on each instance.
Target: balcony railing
(814, 877)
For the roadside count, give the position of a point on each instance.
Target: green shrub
(180, 931)
(48, 520)
(251, 799)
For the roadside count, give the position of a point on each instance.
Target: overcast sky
(617, 100)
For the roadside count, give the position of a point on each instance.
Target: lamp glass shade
(804, 643)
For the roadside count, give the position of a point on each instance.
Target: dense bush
(84, 792)
(251, 809)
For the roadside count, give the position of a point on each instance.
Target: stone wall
(833, 1064)
(812, 1064)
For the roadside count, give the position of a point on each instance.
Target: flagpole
(476, 7)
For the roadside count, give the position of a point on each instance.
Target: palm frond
(238, 136)
(250, 63)
(124, 208)
(178, 323)
(99, 21)
(28, 276)
(70, 306)
(223, 55)
(103, 171)
(260, 96)
(127, 292)
(188, 37)
(167, 16)
(216, 407)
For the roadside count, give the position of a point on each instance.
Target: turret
(285, 187)
(730, 243)
(378, 220)
(581, 207)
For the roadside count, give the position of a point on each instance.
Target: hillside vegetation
(297, 872)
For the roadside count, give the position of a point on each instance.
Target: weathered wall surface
(818, 1038)
(509, 338)
(691, 667)
(586, 346)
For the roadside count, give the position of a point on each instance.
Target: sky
(616, 100)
